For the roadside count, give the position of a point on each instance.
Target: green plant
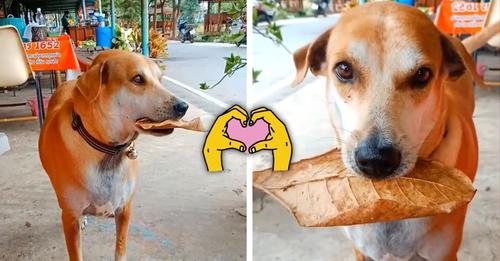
(157, 45)
(124, 39)
(128, 12)
(233, 64)
(188, 9)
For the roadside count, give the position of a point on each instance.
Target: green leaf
(254, 16)
(204, 86)
(255, 75)
(275, 30)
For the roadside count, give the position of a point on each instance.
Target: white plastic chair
(15, 68)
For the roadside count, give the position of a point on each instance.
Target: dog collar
(77, 125)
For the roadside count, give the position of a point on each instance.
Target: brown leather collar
(77, 125)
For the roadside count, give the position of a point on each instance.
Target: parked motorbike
(244, 39)
(265, 12)
(185, 33)
(320, 8)
(239, 27)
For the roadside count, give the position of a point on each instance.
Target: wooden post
(163, 16)
(207, 20)
(219, 18)
(154, 14)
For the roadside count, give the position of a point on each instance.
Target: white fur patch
(109, 190)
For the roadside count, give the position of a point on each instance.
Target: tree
(128, 12)
(189, 8)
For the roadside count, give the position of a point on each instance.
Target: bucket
(103, 36)
(32, 103)
(17, 22)
(407, 2)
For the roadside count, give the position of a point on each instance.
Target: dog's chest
(398, 241)
(110, 189)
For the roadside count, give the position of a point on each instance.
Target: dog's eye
(422, 76)
(343, 70)
(138, 79)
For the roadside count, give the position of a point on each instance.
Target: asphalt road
(190, 64)
(276, 63)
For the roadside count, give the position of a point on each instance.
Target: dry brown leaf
(322, 192)
(194, 124)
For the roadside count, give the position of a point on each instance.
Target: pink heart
(248, 135)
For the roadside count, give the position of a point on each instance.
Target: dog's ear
(90, 83)
(311, 56)
(452, 60)
(456, 60)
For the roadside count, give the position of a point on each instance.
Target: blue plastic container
(17, 22)
(407, 2)
(103, 36)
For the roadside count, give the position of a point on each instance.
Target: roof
(58, 5)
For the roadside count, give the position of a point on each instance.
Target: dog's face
(127, 87)
(385, 65)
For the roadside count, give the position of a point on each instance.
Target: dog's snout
(377, 160)
(180, 107)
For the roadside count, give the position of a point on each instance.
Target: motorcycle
(265, 12)
(237, 27)
(320, 8)
(185, 32)
(244, 39)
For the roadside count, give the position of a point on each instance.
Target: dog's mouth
(145, 125)
(166, 127)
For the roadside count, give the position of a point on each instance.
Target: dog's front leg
(122, 219)
(71, 224)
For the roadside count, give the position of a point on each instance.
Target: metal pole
(84, 8)
(145, 28)
(112, 11)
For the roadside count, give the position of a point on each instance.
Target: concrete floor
(277, 236)
(180, 212)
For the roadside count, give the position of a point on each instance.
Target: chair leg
(39, 99)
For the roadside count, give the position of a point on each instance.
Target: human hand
(277, 140)
(218, 140)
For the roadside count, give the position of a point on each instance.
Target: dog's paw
(83, 223)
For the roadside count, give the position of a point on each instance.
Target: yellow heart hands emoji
(277, 139)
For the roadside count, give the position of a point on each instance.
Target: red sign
(459, 17)
(54, 54)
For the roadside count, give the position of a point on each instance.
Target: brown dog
(86, 143)
(398, 90)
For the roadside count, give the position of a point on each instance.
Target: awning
(54, 6)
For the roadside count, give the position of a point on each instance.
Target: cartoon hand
(217, 139)
(278, 140)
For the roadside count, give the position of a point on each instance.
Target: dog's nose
(180, 107)
(375, 161)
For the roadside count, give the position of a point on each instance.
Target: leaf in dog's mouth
(149, 125)
(322, 192)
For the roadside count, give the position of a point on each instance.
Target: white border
(249, 174)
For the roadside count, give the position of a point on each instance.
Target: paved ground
(180, 211)
(277, 236)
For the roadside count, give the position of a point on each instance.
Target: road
(276, 63)
(190, 64)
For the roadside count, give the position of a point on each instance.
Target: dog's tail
(478, 40)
